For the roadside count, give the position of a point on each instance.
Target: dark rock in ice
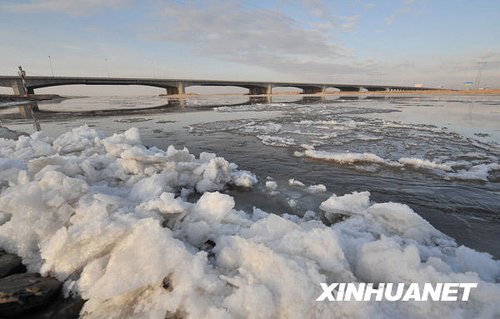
(10, 264)
(167, 283)
(10, 134)
(208, 246)
(178, 314)
(22, 292)
(59, 308)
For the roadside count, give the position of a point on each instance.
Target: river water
(437, 154)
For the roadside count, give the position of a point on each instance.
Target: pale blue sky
(392, 42)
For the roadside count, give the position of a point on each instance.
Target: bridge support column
(377, 89)
(176, 90)
(349, 89)
(259, 90)
(18, 88)
(313, 90)
(172, 90)
(180, 88)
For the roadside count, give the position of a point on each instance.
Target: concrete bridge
(178, 86)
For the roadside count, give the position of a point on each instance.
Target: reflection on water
(127, 106)
(262, 134)
(471, 116)
(29, 110)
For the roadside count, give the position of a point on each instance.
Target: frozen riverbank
(143, 232)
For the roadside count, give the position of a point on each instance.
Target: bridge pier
(172, 90)
(18, 88)
(313, 90)
(376, 89)
(260, 90)
(349, 89)
(178, 90)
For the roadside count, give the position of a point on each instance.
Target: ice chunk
(345, 158)
(349, 204)
(149, 188)
(294, 182)
(271, 185)
(273, 140)
(243, 179)
(319, 188)
(402, 220)
(214, 206)
(79, 139)
(425, 164)
(478, 172)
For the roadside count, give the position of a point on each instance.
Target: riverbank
(425, 92)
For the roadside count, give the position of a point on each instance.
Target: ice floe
(341, 135)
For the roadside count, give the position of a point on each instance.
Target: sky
(400, 42)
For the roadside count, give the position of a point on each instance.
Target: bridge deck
(175, 86)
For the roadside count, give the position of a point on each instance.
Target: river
(437, 154)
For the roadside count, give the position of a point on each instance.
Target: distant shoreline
(344, 93)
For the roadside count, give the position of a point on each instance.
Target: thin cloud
(369, 5)
(350, 23)
(71, 7)
(407, 7)
(234, 32)
(322, 11)
(267, 39)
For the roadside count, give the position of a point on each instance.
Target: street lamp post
(51, 68)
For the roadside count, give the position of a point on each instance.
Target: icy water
(437, 154)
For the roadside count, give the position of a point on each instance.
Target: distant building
(419, 85)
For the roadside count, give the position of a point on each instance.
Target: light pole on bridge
(51, 68)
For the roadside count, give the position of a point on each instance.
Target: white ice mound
(47, 178)
(448, 170)
(355, 203)
(345, 158)
(103, 216)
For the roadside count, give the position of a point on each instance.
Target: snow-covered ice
(111, 218)
(447, 169)
(342, 136)
(271, 185)
(318, 188)
(294, 182)
(345, 158)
